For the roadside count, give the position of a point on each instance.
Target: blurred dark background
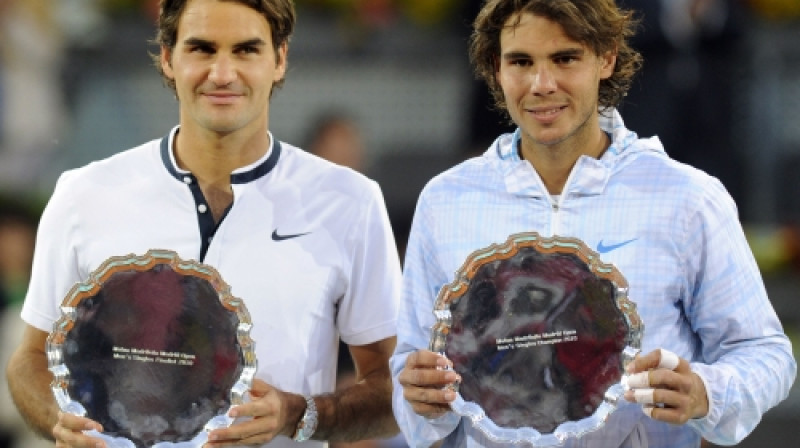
(385, 86)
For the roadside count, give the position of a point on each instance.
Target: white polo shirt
(307, 245)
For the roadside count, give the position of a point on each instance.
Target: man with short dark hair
(306, 244)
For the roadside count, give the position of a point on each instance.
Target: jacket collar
(589, 176)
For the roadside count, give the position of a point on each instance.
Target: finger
(429, 396)
(637, 380)
(75, 439)
(76, 423)
(252, 441)
(657, 359)
(250, 409)
(427, 359)
(675, 416)
(264, 406)
(662, 397)
(69, 431)
(427, 377)
(643, 396)
(257, 431)
(256, 440)
(259, 388)
(670, 379)
(668, 360)
(427, 402)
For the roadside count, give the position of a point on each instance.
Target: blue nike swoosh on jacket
(602, 248)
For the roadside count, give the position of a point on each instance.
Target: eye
(521, 62)
(248, 50)
(201, 48)
(565, 60)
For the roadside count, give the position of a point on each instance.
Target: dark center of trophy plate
(153, 356)
(537, 339)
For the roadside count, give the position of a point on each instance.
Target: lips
(545, 114)
(221, 98)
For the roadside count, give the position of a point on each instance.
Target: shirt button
(187, 180)
(202, 208)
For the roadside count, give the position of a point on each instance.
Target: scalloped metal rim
(90, 287)
(459, 286)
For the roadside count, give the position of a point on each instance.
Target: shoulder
(668, 172)
(691, 191)
(308, 171)
(475, 174)
(121, 168)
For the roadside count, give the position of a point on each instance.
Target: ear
(281, 62)
(608, 61)
(166, 62)
(496, 64)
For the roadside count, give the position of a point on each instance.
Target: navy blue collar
(236, 178)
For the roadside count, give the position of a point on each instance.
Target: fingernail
(449, 395)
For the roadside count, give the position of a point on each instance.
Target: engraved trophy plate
(154, 348)
(540, 331)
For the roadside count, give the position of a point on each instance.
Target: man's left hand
(269, 413)
(666, 387)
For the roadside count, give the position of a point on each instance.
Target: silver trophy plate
(540, 330)
(154, 348)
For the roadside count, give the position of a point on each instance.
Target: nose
(543, 81)
(223, 71)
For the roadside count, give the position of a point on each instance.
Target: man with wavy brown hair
(558, 69)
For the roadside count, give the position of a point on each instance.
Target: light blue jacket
(673, 232)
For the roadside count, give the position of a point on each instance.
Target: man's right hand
(424, 378)
(68, 432)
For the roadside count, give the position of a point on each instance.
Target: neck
(554, 162)
(212, 157)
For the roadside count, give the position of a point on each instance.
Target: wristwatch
(308, 423)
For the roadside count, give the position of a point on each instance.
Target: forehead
(216, 19)
(534, 32)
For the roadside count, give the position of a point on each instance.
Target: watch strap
(308, 422)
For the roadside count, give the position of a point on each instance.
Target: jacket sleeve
(746, 359)
(422, 279)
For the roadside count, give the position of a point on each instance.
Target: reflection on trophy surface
(537, 340)
(153, 355)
